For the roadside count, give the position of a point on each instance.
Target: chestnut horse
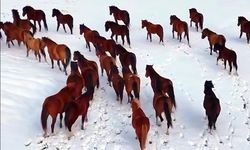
(244, 27)
(119, 15)
(59, 52)
(161, 83)
(227, 55)
(126, 58)
(211, 104)
(89, 35)
(195, 17)
(116, 30)
(37, 45)
(132, 83)
(55, 104)
(63, 19)
(35, 15)
(117, 82)
(140, 123)
(22, 23)
(179, 27)
(153, 29)
(213, 38)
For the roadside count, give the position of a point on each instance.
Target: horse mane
(113, 7)
(153, 70)
(56, 11)
(208, 88)
(26, 8)
(48, 40)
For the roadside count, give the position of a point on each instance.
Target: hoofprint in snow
(26, 83)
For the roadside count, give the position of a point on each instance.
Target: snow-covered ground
(25, 82)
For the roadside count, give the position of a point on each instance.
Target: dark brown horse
(244, 27)
(89, 35)
(126, 58)
(117, 82)
(227, 55)
(55, 104)
(153, 29)
(87, 67)
(116, 30)
(132, 83)
(63, 19)
(160, 83)
(35, 15)
(196, 17)
(22, 23)
(119, 15)
(213, 38)
(37, 45)
(179, 27)
(79, 106)
(140, 123)
(211, 104)
(59, 52)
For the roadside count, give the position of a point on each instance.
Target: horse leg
(83, 118)
(180, 37)
(27, 55)
(173, 33)
(39, 56)
(150, 37)
(58, 25)
(196, 25)
(52, 63)
(240, 33)
(147, 35)
(61, 117)
(122, 39)
(225, 63)
(39, 23)
(248, 37)
(58, 63)
(230, 66)
(190, 23)
(64, 67)
(210, 44)
(53, 123)
(116, 38)
(64, 28)
(71, 29)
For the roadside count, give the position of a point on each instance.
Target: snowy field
(25, 82)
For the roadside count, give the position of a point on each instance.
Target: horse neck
(209, 91)
(153, 73)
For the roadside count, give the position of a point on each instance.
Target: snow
(25, 82)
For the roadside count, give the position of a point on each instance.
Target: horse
(132, 83)
(89, 34)
(120, 15)
(59, 52)
(76, 77)
(126, 58)
(116, 30)
(55, 104)
(63, 19)
(106, 45)
(179, 27)
(163, 103)
(213, 38)
(140, 123)
(79, 106)
(211, 104)
(87, 67)
(153, 29)
(22, 23)
(244, 27)
(117, 82)
(36, 15)
(159, 82)
(196, 17)
(227, 55)
(37, 45)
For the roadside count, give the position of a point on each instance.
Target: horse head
(208, 85)
(26, 9)
(148, 68)
(143, 23)
(204, 33)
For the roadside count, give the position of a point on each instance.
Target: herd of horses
(70, 99)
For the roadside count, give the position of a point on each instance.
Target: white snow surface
(25, 82)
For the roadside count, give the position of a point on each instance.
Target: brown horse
(179, 27)
(213, 38)
(55, 104)
(132, 83)
(37, 45)
(79, 106)
(87, 67)
(140, 123)
(63, 19)
(159, 82)
(119, 15)
(59, 52)
(163, 103)
(117, 82)
(211, 104)
(195, 17)
(244, 27)
(116, 30)
(227, 55)
(126, 58)
(89, 35)
(22, 23)
(153, 29)
(35, 15)
(106, 45)
(76, 77)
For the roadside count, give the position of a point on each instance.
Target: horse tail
(42, 49)
(70, 115)
(33, 28)
(135, 89)
(44, 117)
(167, 113)
(144, 133)
(201, 21)
(68, 56)
(44, 22)
(161, 34)
(186, 31)
(133, 61)
(121, 88)
(127, 35)
(127, 19)
(171, 94)
(235, 61)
